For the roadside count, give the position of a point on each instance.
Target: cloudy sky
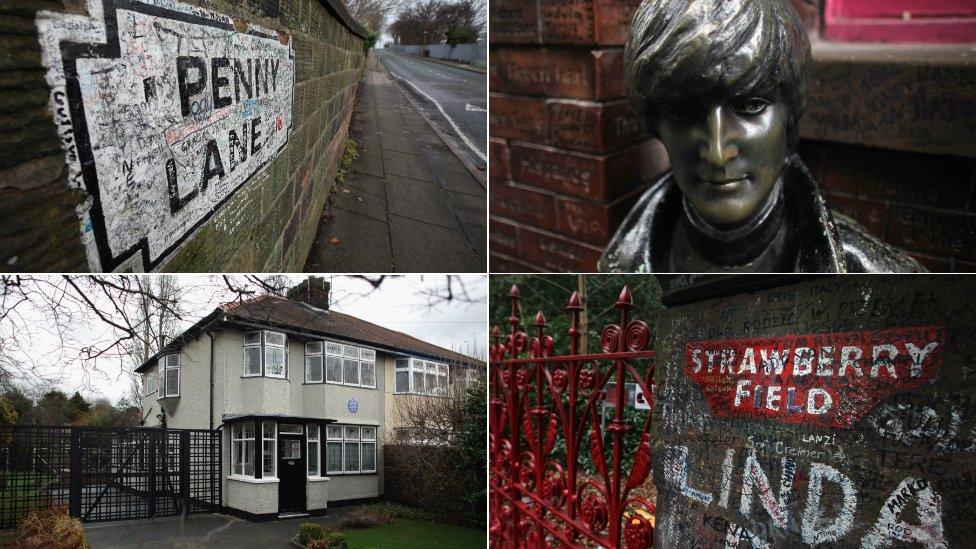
(409, 304)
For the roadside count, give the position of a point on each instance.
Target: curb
(479, 175)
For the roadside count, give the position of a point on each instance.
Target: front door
(291, 474)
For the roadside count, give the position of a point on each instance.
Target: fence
(473, 54)
(108, 473)
(552, 481)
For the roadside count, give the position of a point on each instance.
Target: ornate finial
(625, 299)
(496, 331)
(574, 302)
(540, 319)
(514, 292)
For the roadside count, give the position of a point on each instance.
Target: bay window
(401, 376)
(150, 382)
(343, 364)
(265, 353)
(169, 376)
(268, 449)
(350, 449)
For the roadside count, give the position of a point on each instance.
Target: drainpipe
(210, 335)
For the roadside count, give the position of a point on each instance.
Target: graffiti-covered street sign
(820, 380)
(164, 110)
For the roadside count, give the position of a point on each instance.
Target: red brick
(502, 264)
(594, 222)
(934, 264)
(498, 156)
(502, 237)
(907, 178)
(514, 117)
(522, 204)
(590, 22)
(513, 22)
(933, 231)
(870, 213)
(558, 254)
(597, 177)
(593, 127)
(557, 72)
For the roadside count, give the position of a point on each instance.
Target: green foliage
(462, 35)
(79, 407)
(332, 540)
(370, 41)
(348, 157)
(470, 441)
(308, 531)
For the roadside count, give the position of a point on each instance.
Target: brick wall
(267, 223)
(888, 130)
(567, 155)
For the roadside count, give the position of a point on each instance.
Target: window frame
(163, 368)
(152, 381)
(423, 368)
(319, 355)
(274, 448)
(311, 440)
(264, 354)
(260, 346)
(338, 354)
(343, 441)
(237, 454)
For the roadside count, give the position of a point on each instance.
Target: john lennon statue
(722, 84)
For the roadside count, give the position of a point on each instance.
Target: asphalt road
(461, 95)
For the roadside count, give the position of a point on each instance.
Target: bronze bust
(722, 84)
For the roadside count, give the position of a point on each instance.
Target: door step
(291, 515)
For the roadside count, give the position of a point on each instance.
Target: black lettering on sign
(186, 87)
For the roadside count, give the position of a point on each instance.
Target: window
(252, 354)
(349, 449)
(242, 448)
(313, 450)
(274, 354)
(345, 364)
(151, 382)
(169, 376)
(290, 429)
(268, 449)
(291, 449)
(333, 449)
(401, 375)
(313, 362)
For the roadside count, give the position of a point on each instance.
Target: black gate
(108, 473)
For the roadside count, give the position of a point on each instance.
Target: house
(304, 397)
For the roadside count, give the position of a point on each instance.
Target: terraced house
(304, 397)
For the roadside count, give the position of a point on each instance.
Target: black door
(291, 474)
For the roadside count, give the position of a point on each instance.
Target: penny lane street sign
(164, 111)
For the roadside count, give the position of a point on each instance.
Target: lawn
(407, 534)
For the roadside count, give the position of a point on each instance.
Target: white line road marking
(475, 108)
(457, 130)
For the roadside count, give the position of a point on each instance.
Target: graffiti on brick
(819, 380)
(165, 111)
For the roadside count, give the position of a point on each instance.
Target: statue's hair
(682, 47)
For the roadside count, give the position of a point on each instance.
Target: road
(455, 99)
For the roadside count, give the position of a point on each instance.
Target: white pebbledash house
(303, 396)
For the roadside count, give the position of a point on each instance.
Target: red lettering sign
(822, 380)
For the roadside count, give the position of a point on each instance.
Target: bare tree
(373, 14)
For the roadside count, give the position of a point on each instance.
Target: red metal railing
(540, 497)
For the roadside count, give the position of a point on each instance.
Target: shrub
(400, 511)
(363, 517)
(50, 528)
(309, 531)
(332, 540)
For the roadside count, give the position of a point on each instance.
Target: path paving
(408, 205)
(204, 530)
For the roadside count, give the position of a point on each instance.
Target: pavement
(408, 204)
(455, 99)
(203, 530)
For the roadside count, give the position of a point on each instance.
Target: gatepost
(820, 410)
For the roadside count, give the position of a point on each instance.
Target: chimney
(314, 290)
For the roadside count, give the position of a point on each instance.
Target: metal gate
(104, 474)
(558, 477)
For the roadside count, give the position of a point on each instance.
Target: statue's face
(726, 153)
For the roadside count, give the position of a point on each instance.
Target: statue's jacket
(825, 241)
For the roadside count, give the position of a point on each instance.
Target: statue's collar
(641, 242)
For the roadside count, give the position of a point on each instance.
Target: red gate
(540, 496)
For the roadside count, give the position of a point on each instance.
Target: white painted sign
(164, 110)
